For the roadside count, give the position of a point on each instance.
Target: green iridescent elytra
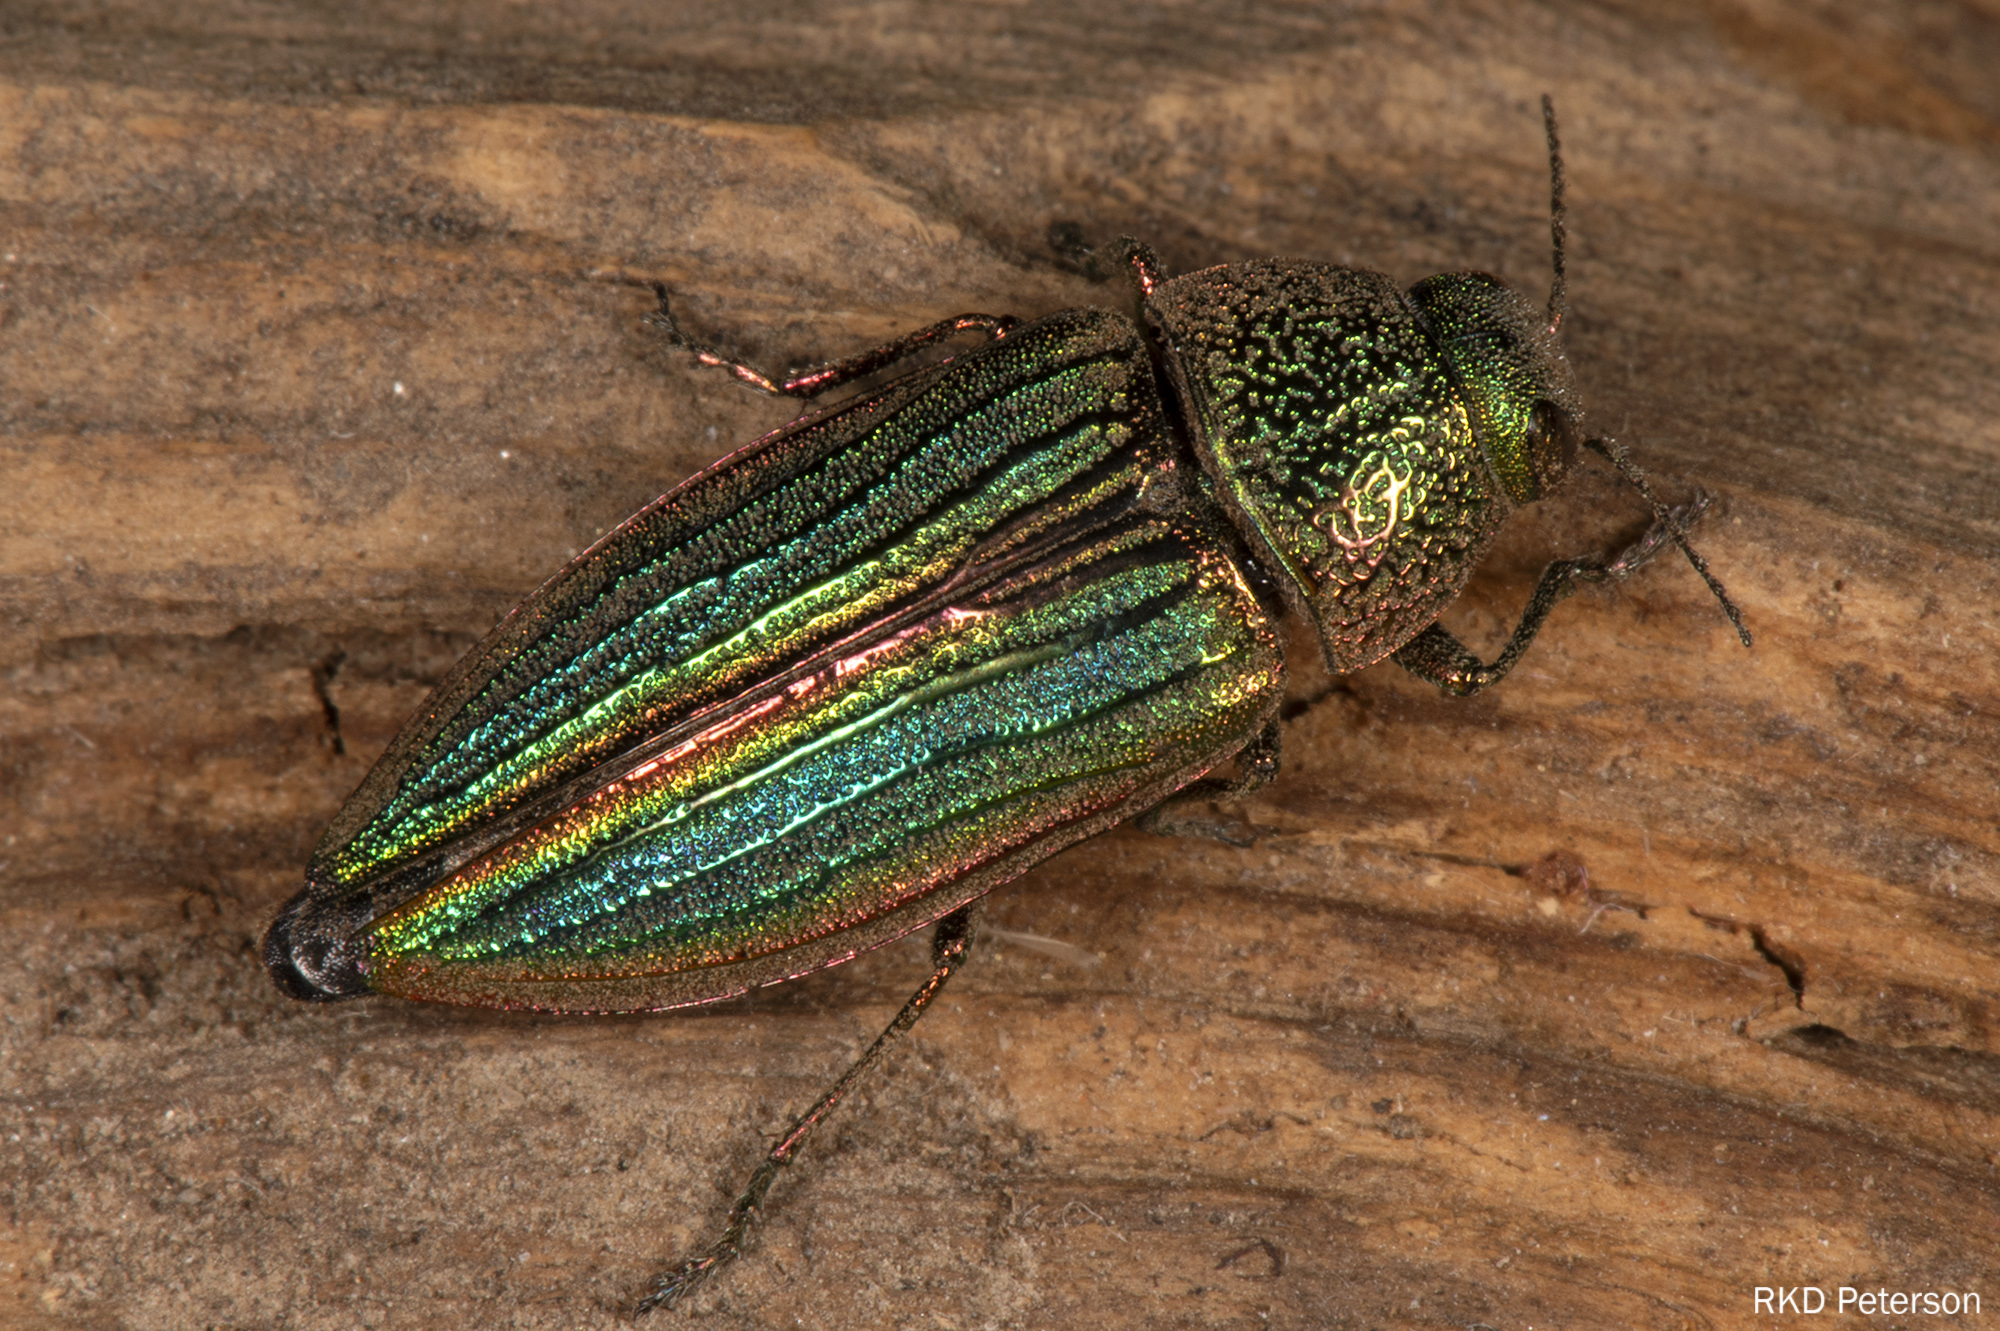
(855, 675)
(825, 692)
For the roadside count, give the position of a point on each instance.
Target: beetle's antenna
(1558, 214)
(1614, 452)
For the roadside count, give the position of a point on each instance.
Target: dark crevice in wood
(1960, 1075)
(1789, 963)
(323, 672)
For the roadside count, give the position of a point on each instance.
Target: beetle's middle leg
(1437, 657)
(1185, 813)
(833, 374)
(950, 946)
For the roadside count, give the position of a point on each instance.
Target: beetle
(847, 680)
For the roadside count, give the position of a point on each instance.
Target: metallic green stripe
(830, 543)
(1067, 707)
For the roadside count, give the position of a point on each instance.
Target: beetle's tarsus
(949, 948)
(690, 1275)
(682, 1281)
(1178, 817)
(1437, 657)
(1076, 253)
(1660, 536)
(1614, 453)
(1256, 766)
(670, 328)
(833, 374)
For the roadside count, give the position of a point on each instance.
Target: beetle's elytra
(855, 675)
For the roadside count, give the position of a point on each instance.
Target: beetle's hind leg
(1186, 813)
(949, 949)
(1439, 658)
(833, 374)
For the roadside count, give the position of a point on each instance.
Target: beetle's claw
(663, 319)
(1672, 525)
(680, 1282)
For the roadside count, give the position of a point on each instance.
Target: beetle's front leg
(834, 373)
(1439, 658)
(1184, 814)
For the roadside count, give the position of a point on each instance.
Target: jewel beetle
(857, 674)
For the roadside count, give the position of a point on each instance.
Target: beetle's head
(1511, 370)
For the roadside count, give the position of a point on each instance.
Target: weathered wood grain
(1663, 972)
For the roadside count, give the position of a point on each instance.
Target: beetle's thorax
(1338, 434)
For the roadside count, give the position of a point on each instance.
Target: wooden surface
(1662, 972)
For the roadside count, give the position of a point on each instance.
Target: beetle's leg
(1437, 657)
(1257, 765)
(834, 373)
(1178, 815)
(1145, 265)
(1614, 453)
(1074, 252)
(949, 948)
(1080, 256)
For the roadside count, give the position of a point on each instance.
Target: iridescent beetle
(854, 676)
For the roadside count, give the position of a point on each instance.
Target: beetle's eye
(1551, 445)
